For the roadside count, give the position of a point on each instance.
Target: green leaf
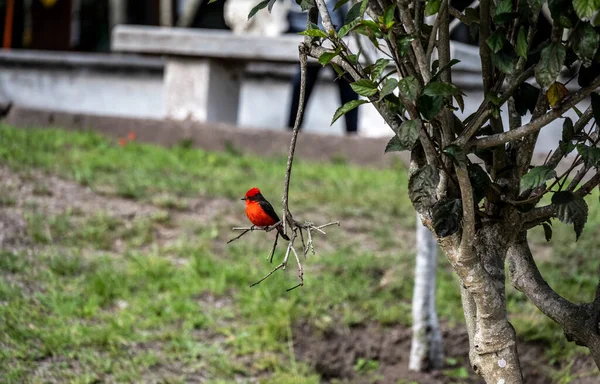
(566, 147)
(353, 13)
(339, 70)
(408, 133)
(585, 8)
(341, 111)
(496, 41)
(460, 101)
(394, 145)
(550, 64)
(562, 13)
(536, 177)
(479, 181)
(472, 15)
(521, 47)
(432, 7)
(363, 7)
(408, 87)
(430, 106)
(388, 87)
(567, 131)
(571, 210)
(305, 5)
(585, 43)
(526, 98)
(446, 215)
(421, 187)
(505, 59)
(590, 155)
(347, 28)
(440, 88)
(326, 57)
(503, 12)
(314, 33)
(596, 106)
(404, 43)
(456, 153)
(364, 87)
(270, 6)
(450, 64)
(258, 7)
(339, 4)
(547, 231)
(388, 16)
(378, 68)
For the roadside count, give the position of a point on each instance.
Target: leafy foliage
(341, 111)
(585, 43)
(421, 187)
(590, 155)
(408, 87)
(585, 8)
(258, 7)
(446, 215)
(364, 87)
(571, 210)
(537, 177)
(550, 64)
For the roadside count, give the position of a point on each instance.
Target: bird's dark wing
(268, 208)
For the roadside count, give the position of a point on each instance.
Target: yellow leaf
(48, 3)
(556, 94)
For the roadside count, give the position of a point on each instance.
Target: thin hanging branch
(290, 225)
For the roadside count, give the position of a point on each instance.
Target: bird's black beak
(243, 198)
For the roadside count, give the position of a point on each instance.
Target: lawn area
(114, 267)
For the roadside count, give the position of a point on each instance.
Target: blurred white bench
(203, 67)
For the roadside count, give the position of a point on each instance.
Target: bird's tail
(280, 230)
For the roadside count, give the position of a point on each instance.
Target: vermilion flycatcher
(260, 212)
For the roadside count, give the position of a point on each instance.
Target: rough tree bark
(427, 349)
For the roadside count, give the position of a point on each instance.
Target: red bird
(260, 212)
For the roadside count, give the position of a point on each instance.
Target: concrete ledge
(102, 61)
(217, 136)
(204, 43)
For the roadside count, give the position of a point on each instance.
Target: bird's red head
(251, 193)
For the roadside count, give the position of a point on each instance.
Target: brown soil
(334, 354)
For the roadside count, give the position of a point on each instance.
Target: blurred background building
(57, 56)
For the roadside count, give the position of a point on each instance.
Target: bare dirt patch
(336, 354)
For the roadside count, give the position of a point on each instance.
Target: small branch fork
(292, 227)
(296, 229)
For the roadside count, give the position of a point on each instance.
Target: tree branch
(537, 124)
(484, 50)
(526, 278)
(558, 153)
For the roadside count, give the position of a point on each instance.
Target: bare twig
(270, 258)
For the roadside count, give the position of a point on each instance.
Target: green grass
(102, 298)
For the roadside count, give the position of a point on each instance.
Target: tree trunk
(427, 350)
(492, 339)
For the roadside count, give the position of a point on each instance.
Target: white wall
(264, 101)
